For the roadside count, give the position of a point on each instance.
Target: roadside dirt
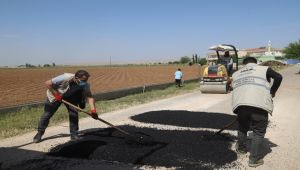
(182, 127)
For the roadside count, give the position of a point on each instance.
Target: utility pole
(110, 61)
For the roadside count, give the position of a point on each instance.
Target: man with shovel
(72, 88)
(252, 102)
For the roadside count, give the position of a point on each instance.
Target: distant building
(262, 54)
(265, 53)
(268, 51)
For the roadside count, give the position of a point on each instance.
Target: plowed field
(21, 86)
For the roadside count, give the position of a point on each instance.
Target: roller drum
(213, 88)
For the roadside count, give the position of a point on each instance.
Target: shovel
(140, 139)
(216, 135)
(226, 126)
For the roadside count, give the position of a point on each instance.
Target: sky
(67, 32)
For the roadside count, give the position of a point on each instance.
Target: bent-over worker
(72, 88)
(252, 102)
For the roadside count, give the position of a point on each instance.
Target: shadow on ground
(266, 148)
(108, 148)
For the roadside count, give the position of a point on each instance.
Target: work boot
(240, 151)
(38, 137)
(255, 163)
(74, 137)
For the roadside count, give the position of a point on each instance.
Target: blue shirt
(178, 74)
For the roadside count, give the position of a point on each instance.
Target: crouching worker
(72, 88)
(252, 102)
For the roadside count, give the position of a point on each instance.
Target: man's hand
(58, 96)
(94, 113)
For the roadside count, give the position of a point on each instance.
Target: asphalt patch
(75, 149)
(180, 149)
(185, 118)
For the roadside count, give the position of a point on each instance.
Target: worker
(178, 77)
(228, 62)
(252, 102)
(72, 88)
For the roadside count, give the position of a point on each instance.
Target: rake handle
(78, 108)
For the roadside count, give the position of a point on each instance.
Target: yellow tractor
(216, 76)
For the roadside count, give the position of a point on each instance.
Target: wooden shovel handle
(227, 126)
(78, 108)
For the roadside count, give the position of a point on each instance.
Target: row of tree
(292, 51)
(195, 59)
(27, 65)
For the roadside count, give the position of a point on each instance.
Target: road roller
(216, 76)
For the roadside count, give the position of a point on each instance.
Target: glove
(58, 96)
(94, 113)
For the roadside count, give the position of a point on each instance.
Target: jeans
(50, 109)
(257, 119)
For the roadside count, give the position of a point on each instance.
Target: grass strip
(26, 119)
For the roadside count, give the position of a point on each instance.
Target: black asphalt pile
(179, 149)
(61, 163)
(73, 149)
(185, 118)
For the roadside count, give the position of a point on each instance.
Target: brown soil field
(22, 86)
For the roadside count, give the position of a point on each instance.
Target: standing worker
(252, 101)
(72, 88)
(178, 77)
(228, 62)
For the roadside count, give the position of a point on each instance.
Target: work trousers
(257, 119)
(50, 109)
(178, 82)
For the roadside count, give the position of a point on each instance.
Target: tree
(202, 61)
(293, 50)
(193, 58)
(185, 59)
(176, 62)
(29, 65)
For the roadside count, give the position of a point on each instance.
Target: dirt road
(182, 128)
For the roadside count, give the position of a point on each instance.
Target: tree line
(27, 65)
(292, 51)
(195, 59)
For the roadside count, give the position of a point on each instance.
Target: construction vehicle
(216, 76)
